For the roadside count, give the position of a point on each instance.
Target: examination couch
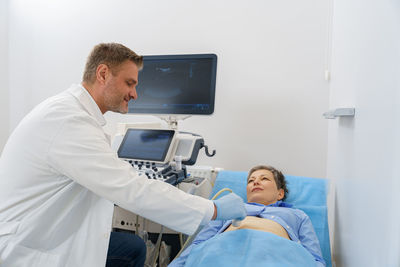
(307, 194)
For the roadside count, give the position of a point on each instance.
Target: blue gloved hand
(230, 207)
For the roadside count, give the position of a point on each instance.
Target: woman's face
(262, 189)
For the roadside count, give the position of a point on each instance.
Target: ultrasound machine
(173, 88)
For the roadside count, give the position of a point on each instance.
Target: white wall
(271, 90)
(4, 99)
(364, 152)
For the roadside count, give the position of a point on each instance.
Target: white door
(364, 151)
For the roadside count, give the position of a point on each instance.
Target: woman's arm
(309, 240)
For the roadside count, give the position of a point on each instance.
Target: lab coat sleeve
(206, 233)
(81, 152)
(309, 240)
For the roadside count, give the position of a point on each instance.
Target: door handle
(339, 112)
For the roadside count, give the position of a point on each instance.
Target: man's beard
(115, 104)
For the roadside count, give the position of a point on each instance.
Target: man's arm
(81, 152)
(206, 233)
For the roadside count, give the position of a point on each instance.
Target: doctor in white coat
(60, 179)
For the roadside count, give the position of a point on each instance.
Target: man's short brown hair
(112, 55)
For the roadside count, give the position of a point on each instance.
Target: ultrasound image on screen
(149, 145)
(176, 85)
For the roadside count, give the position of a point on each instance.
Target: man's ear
(102, 73)
(281, 194)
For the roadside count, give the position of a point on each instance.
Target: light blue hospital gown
(297, 224)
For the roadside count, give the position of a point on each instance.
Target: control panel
(168, 173)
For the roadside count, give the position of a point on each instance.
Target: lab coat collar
(87, 101)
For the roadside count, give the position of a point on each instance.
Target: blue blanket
(249, 248)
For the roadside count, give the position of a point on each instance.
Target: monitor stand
(172, 120)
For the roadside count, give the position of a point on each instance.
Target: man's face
(121, 87)
(261, 188)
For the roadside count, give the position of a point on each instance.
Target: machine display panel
(176, 84)
(146, 144)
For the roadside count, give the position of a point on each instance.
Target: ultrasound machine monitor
(152, 145)
(176, 84)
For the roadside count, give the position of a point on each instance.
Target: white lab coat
(59, 180)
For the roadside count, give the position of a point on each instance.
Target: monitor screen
(176, 84)
(146, 144)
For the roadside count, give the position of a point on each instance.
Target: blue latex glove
(230, 207)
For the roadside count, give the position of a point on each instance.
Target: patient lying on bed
(266, 211)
